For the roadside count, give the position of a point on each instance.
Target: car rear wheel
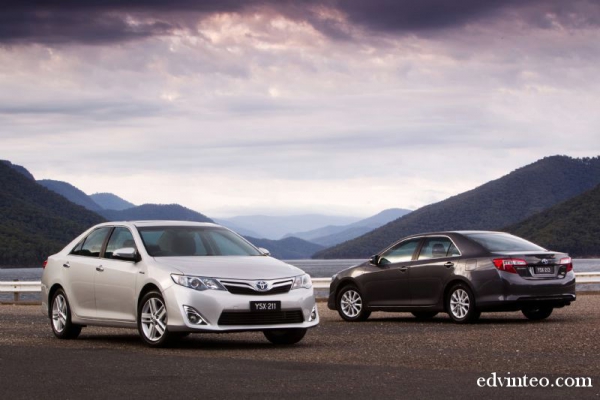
(461, 304)
(285, 336)
(423, 315)
(60, 320)
(537, 313)
(152, 320)
(350, 305)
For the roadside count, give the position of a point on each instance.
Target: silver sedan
(169, 279)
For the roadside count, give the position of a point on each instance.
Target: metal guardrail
(17, 287)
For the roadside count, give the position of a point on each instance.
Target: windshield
(185, 241)
(498, 242)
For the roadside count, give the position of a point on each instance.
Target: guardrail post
(16, 294)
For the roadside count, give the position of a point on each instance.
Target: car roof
(453, 232)
(159, 223)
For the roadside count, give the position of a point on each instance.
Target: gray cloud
(104, 22)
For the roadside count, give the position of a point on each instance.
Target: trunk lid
(536, 264)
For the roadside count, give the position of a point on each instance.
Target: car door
(389, 286)
(79, 271)
(434, 265)
(116, 280)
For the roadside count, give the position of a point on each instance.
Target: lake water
(316, 268)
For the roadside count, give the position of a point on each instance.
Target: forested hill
(155, 212)
(572, 226)
(494, 205)
(71, 193)
(34, 221)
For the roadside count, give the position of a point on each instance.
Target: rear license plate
(543, 270)
(265, 305)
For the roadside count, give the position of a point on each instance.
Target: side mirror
(264, 251)
(126, 254)
(374, 260)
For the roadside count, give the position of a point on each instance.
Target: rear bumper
(527, 302)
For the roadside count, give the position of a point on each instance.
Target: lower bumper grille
(261, 317)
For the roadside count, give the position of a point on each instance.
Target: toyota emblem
(544, 261)
(262, 286)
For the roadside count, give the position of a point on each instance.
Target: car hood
(252, 267)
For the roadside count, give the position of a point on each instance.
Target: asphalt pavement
(390, 356)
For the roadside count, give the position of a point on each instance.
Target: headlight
(197, 282)
(302, 281)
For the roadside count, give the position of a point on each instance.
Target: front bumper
(211, 304)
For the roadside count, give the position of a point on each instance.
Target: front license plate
(265, 305)
(543, 270)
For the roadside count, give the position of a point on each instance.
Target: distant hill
(275, 227)
(572, 226)
(20, 169)
(110, 201)
(71, 193)
(287, 249)
(173, 212)
(234, 227)
(334, 234)
(496, 204)
(34, 221)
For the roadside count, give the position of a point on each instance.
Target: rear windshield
(185, 241)
(496, 242)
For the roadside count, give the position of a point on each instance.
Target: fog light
(194, 316)
(313, 314)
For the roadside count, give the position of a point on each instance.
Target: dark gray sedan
(461, 273)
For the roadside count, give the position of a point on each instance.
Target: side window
(92, 244)
(121, 237)
(453, 251)
(401, 252)
(437, 248)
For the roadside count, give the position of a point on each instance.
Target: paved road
(389, 356)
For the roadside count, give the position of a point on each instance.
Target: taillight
(508, 264)
(568, 262)
(44, 264)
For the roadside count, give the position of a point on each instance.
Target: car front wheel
(461, 304)
(285, 336)
(152, 320)
(61, 323)
(351, 306)
(537, 313)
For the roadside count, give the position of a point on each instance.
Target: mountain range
(333, 234)
(554, 202)
(494, 205)
(34, 221)
(572, 226)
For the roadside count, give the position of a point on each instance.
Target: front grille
(252, 292)
(244, 287)
(261, 317)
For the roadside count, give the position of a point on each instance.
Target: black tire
(350, 304)
(60, 317)
(537, 313)
(152, 320)
(424, 315)
(460, 304)
(285, 336)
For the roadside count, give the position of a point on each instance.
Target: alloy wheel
(59, 313)
(154, 319)
(460, 303)
(351, 303)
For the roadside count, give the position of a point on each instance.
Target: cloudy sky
(282, 107)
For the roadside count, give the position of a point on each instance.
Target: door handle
(403, 269)
(100, 268)
(449, 264)
(66, 265)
